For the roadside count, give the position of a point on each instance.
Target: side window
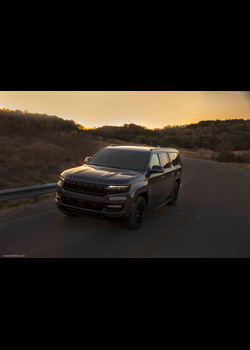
(174, 157)
(154, 161)
(165, 161)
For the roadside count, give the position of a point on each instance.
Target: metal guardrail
(33, 192)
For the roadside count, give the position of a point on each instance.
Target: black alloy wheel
(138, 213)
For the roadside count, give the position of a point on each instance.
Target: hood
(102, 175)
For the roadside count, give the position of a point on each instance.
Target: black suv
(121, 182)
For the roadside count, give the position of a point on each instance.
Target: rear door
(176, 164)
(168, 176)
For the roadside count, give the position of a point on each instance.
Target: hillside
(218, 136)
(36, 148)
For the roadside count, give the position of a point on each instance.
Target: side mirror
(158, 169)
(87, 159)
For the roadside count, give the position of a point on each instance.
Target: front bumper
(83, 204)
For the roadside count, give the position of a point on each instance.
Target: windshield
(120, 159)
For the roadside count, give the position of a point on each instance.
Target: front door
(155, 188)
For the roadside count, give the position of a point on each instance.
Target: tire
(174, 196)
(137, 216)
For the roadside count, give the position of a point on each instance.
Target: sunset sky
(153, 109)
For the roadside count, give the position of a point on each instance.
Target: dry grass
(198, 153)
(209, 155)
(32, 161)
(244, 166)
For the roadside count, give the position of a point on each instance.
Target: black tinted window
(121, 159)
(174, 157)
(154, 161)
(165, 162)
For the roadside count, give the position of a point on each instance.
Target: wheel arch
(143, 194)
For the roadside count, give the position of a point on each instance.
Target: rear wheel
(138, 213)
(174, 196)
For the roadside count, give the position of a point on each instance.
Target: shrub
(226, 157)
(246, 157)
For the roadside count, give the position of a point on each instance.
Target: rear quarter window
(175, 159)
(165, 161)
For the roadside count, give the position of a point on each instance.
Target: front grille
(83, 187)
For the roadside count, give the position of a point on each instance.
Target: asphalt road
(210, 220)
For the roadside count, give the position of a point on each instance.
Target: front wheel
(174, 196)
(138, 213)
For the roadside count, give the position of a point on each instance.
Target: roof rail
(125, 145)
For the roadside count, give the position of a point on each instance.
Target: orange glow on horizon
(153, 109)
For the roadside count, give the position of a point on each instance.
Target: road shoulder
(27, 210)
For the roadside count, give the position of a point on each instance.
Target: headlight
(117, 189)
(61, 181)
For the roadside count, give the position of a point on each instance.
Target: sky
(153, 109)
